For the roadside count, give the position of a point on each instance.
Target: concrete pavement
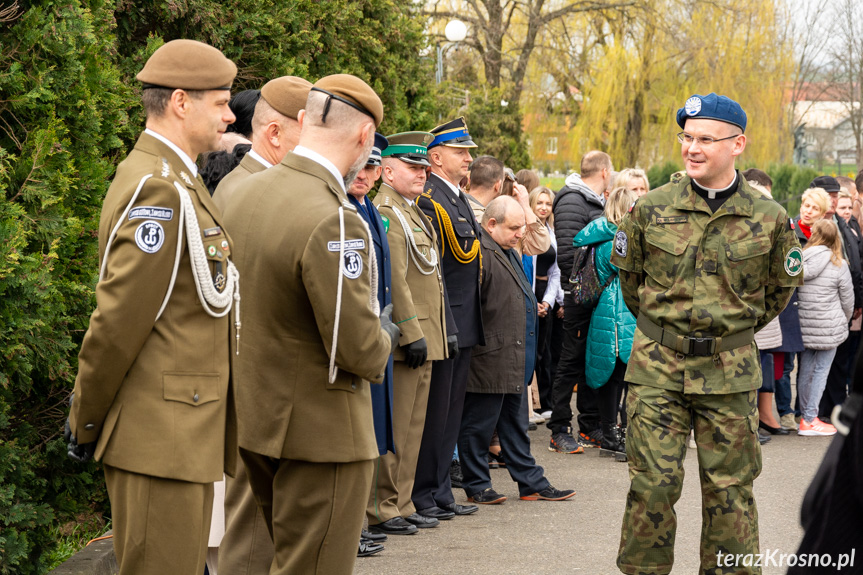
(581, 535)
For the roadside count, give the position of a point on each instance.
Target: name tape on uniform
(151, 213)
(349, 245)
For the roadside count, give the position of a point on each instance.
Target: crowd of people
(410, 310)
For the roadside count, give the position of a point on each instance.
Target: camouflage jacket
(704, 274)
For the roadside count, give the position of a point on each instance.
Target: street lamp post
(455, 32)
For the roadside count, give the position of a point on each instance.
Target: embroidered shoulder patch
(151, 213)
(349, 245)
(621, 243)
(794, 261)
(150, 236)
(353, 265)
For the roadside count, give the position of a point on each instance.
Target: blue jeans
(812, 378)
(783, 386)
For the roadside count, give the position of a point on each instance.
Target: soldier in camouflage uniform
(705, 262)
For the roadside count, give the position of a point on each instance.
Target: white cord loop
(413, 250)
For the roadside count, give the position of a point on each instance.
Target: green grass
(72, 538)
(553, 183)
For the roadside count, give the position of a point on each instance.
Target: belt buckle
(702, 346)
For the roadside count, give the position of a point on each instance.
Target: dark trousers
(544, 359)
(783, 385)
(839, 377)
(570, 371)
(608, 396)
(440, 434)
(482, 411)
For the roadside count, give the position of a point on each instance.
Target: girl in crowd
(612, 326)
(634, 180)
(826, 304)
(548, 293)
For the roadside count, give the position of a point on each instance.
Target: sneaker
(563, 442)
(787, 421)
(537, 418)
(531, 426)
(549, 494)
(816, 427)
(546, 414)
(590, 439)
(487, 497)
(455, 474)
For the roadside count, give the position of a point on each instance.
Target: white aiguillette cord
(197, 257)
(414, 251)
(373, 278)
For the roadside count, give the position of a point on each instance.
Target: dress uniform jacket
(288, 242)
(418, 300)
(704, 274)
(461, 280)
(226, 188)
(382, 395)
(156, 403)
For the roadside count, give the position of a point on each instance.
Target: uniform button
(90, 426)
(196, 398)
(387, 290)
(518, 342)
(353, 385)
(531, 333)
(518, 388)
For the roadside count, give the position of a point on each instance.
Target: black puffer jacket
(852, 252)
(575, 206)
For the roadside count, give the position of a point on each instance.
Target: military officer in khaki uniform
(152, 392)
(312, 340)
(705, 261)
(419, 311)
(275, 132)
(246, 547)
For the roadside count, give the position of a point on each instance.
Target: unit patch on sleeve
(353, 265)
(150, 236)
(151, 213)
(794, 261)
(620, 243)
(349, 245)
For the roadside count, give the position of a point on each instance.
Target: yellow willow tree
(644, 64)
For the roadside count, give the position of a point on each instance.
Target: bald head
(504, 221)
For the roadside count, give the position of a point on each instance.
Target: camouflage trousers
(729, 459)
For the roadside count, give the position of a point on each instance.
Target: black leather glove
(388, 326)
(452, 346)
(80, 453)
(416, 353)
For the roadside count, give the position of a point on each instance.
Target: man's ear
(179, 103)
(272, 132)
(434, 156)
(300, 117)
(497, 186)
(367, 130)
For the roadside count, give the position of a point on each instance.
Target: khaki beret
(188, 65)
(287, 95)
(352, 91)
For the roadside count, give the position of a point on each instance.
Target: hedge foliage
(69, 111)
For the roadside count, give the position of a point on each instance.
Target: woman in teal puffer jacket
(609, 338)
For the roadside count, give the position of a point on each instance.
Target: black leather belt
(689, 345)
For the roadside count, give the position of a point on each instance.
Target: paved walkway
(581, 535)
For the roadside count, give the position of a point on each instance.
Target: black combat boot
(612, 444)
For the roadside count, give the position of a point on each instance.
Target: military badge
(186, 178)
(692, 106)
(621, 243)
(353, 265)
(166, 169)
(224, 244)
(219, 281)
(150, 236)
(210, 232)
(794, 261)
(211, 251)
(386, 222)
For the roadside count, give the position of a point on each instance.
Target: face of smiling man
(711, 165)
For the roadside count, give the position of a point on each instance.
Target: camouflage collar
(741, 203)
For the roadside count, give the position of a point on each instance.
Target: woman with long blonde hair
(826, 301)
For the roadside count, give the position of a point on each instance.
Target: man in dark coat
(458, 233)
(578, 203)
(501, 370)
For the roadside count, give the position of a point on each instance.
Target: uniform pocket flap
(493, 342)
(422, 310)
(748, 248)
(666, 240)
(191, 388)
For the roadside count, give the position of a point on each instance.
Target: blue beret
(379, 146)
(712, 107)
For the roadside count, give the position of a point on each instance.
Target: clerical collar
(712, 193)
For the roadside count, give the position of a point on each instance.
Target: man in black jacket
(578, 203)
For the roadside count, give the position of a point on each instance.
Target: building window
(551, 146)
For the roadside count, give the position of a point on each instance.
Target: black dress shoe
(461, 509)
(368, 547)
(422, 521)
(436, 512)
(772, 430)
(376, 537)
(394, 526)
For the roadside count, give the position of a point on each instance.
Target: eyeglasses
(703, 141)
